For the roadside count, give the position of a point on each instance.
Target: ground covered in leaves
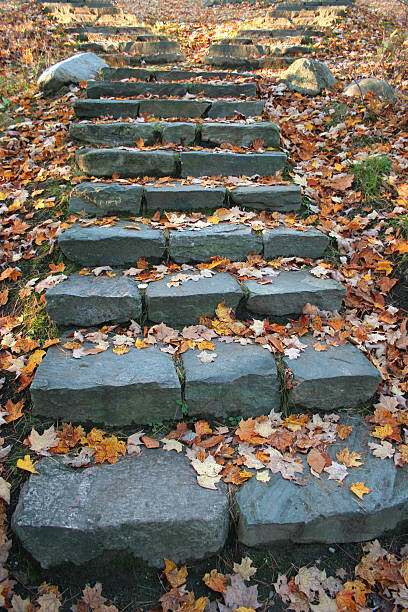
(350, 156)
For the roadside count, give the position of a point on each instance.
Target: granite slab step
(123, 60)
(89, 300)
(267, 197)
(203, 163)
(323, 380)
(290, 291)
(65, 515)
(242, 135)
(165, 196)
(238, 50)
(141, 386)
(126, 163)
(225, 61)
(280, 33)
(90, 109)
(108, 29)
(242, 380)
(150, 48)
(326, 511)
(228, 108)
(106, 89)
(116, 134)
(185, 304)
(143, 74)
(283, 241)
(112, 245)
(103, 199)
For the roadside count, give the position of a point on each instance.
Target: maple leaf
(205, 357)
(281, 439)
(108, 449)
(359, 489)
(208, 472)
(82, 459)
(238, 594)
(39, 443)
(33, 361)
(326, 603)
(18, 604)
(215, 581)
(343, 431)
(14, 410)
(175, 577)
(384, 450)
(202, 428)
(92, 596)
(171, 444)
(173, 600)
(27, 464)
(336, 471)
(382, 431)
(244, 568)
(5, 490)
(349, 459)
(49, 602)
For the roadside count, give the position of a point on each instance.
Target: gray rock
(223, 90)
(183, 197)
(226, 108)
(137, 505)
(308, 76)
(270, 197)
(184, 305)
(326, 511)
(127, 163)
(381, 89)
(88, 300)
(203, 163)
(285, 241)
(242, 380)
(140, 386)
(323, 380)
(241, 51)
(235, 242)
(179, 132)
(106, 89)
(79, 67)
(112, 245)
(290, 291)
(242, 135)
(114, 134)
(103, 199)
(150, 48)
(175, 108)
(91, 109)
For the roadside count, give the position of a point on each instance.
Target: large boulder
(308, 76)
(381, 89)
(79, 67)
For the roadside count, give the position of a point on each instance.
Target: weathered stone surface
(185, 304)
(79, 67)
(89, 300)
(114, 134)
(241, 51)
(340, 377)
(106, 89)
(179, 132)
(225, 108)
(140, 386)
(161, 58)
(104, 199)
(126, 163)
(66, 515)
(272, 197)
(108, 29)
(223, 90)
(242, 135)
(291, 50)
(112, 245)
(183, 197)
(242, 380)
(175, 108)
(203, 163)
(184, 75)
(285, 241)
(326, 511)
(308, 76)
(280, 33)
(235, 242)
(89, 109)
(150, 48)
(381, 89)
(117, 74)
(290, 291)
(226, 61)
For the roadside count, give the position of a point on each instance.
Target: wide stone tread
(280, 33)
(149, 48)
(223, 90)
(126, 163)
(124, 60)
(67, 515)
(106, 89)
(226, 61)
(179, 132)
(175, 108)
(91, 109)
(242, 135)
(234, 242)
(141, 386)
(106, 199)
(203, 163)
(108, 29)
(143, 74)
(285, 241)
(325, 511)
(88, 300)
(269, 197)
(183, 197)
(242, 380)
(185, 304)
(115, 134)
(290, 291)
(228, 108)
(115, 245)
(245, 51)
(323, 380)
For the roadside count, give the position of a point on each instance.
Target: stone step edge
(151, 74)
(127, 59)
(182, 87)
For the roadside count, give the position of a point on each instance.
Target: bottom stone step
(140, 505)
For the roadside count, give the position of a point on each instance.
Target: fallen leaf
(359, 489)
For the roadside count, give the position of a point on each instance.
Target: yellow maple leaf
(349, 459)
(33, 361)
(382, 431)
(359, 489)
(27, 464)
(206, 345)
(141, 344)
(14, 410)
(121, 349)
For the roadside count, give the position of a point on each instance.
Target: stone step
(152, 74)
(123, 60)
(65, 515)
(102, 89)
(51, 6)
(209, 134)
(203, 163)
(149, 48)
(281, 33)
(236, 50)
(163, 108)
(274, 62)
(108, 29)
(103, 199)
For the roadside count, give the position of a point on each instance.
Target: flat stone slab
(269, 197)
(102, 199)
(150, 48)
(285, 241)
(280, 33)
(185, 304)
(125, 60)
(326, 511)
(112, 245)
(91, 109)
(115, 134)
(178, 132)
(226, 61)
(106, 89)
(228, 108)
(238, 50)
(340, 377)
(126, 163)
(88, 300)
(174, 108)
(140, 386)
(174, 74)
(183, 197)
(223, 90)
(203, 163)
(235, 242)
(242, 380)
(242, 135)
(66, 515)
(109, 29)
(290, 291)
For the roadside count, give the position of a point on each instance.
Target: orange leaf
(359, 489)
(150, 442)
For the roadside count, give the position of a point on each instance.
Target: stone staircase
(147, 505)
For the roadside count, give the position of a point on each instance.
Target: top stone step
(108, 29)
(153, 74)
